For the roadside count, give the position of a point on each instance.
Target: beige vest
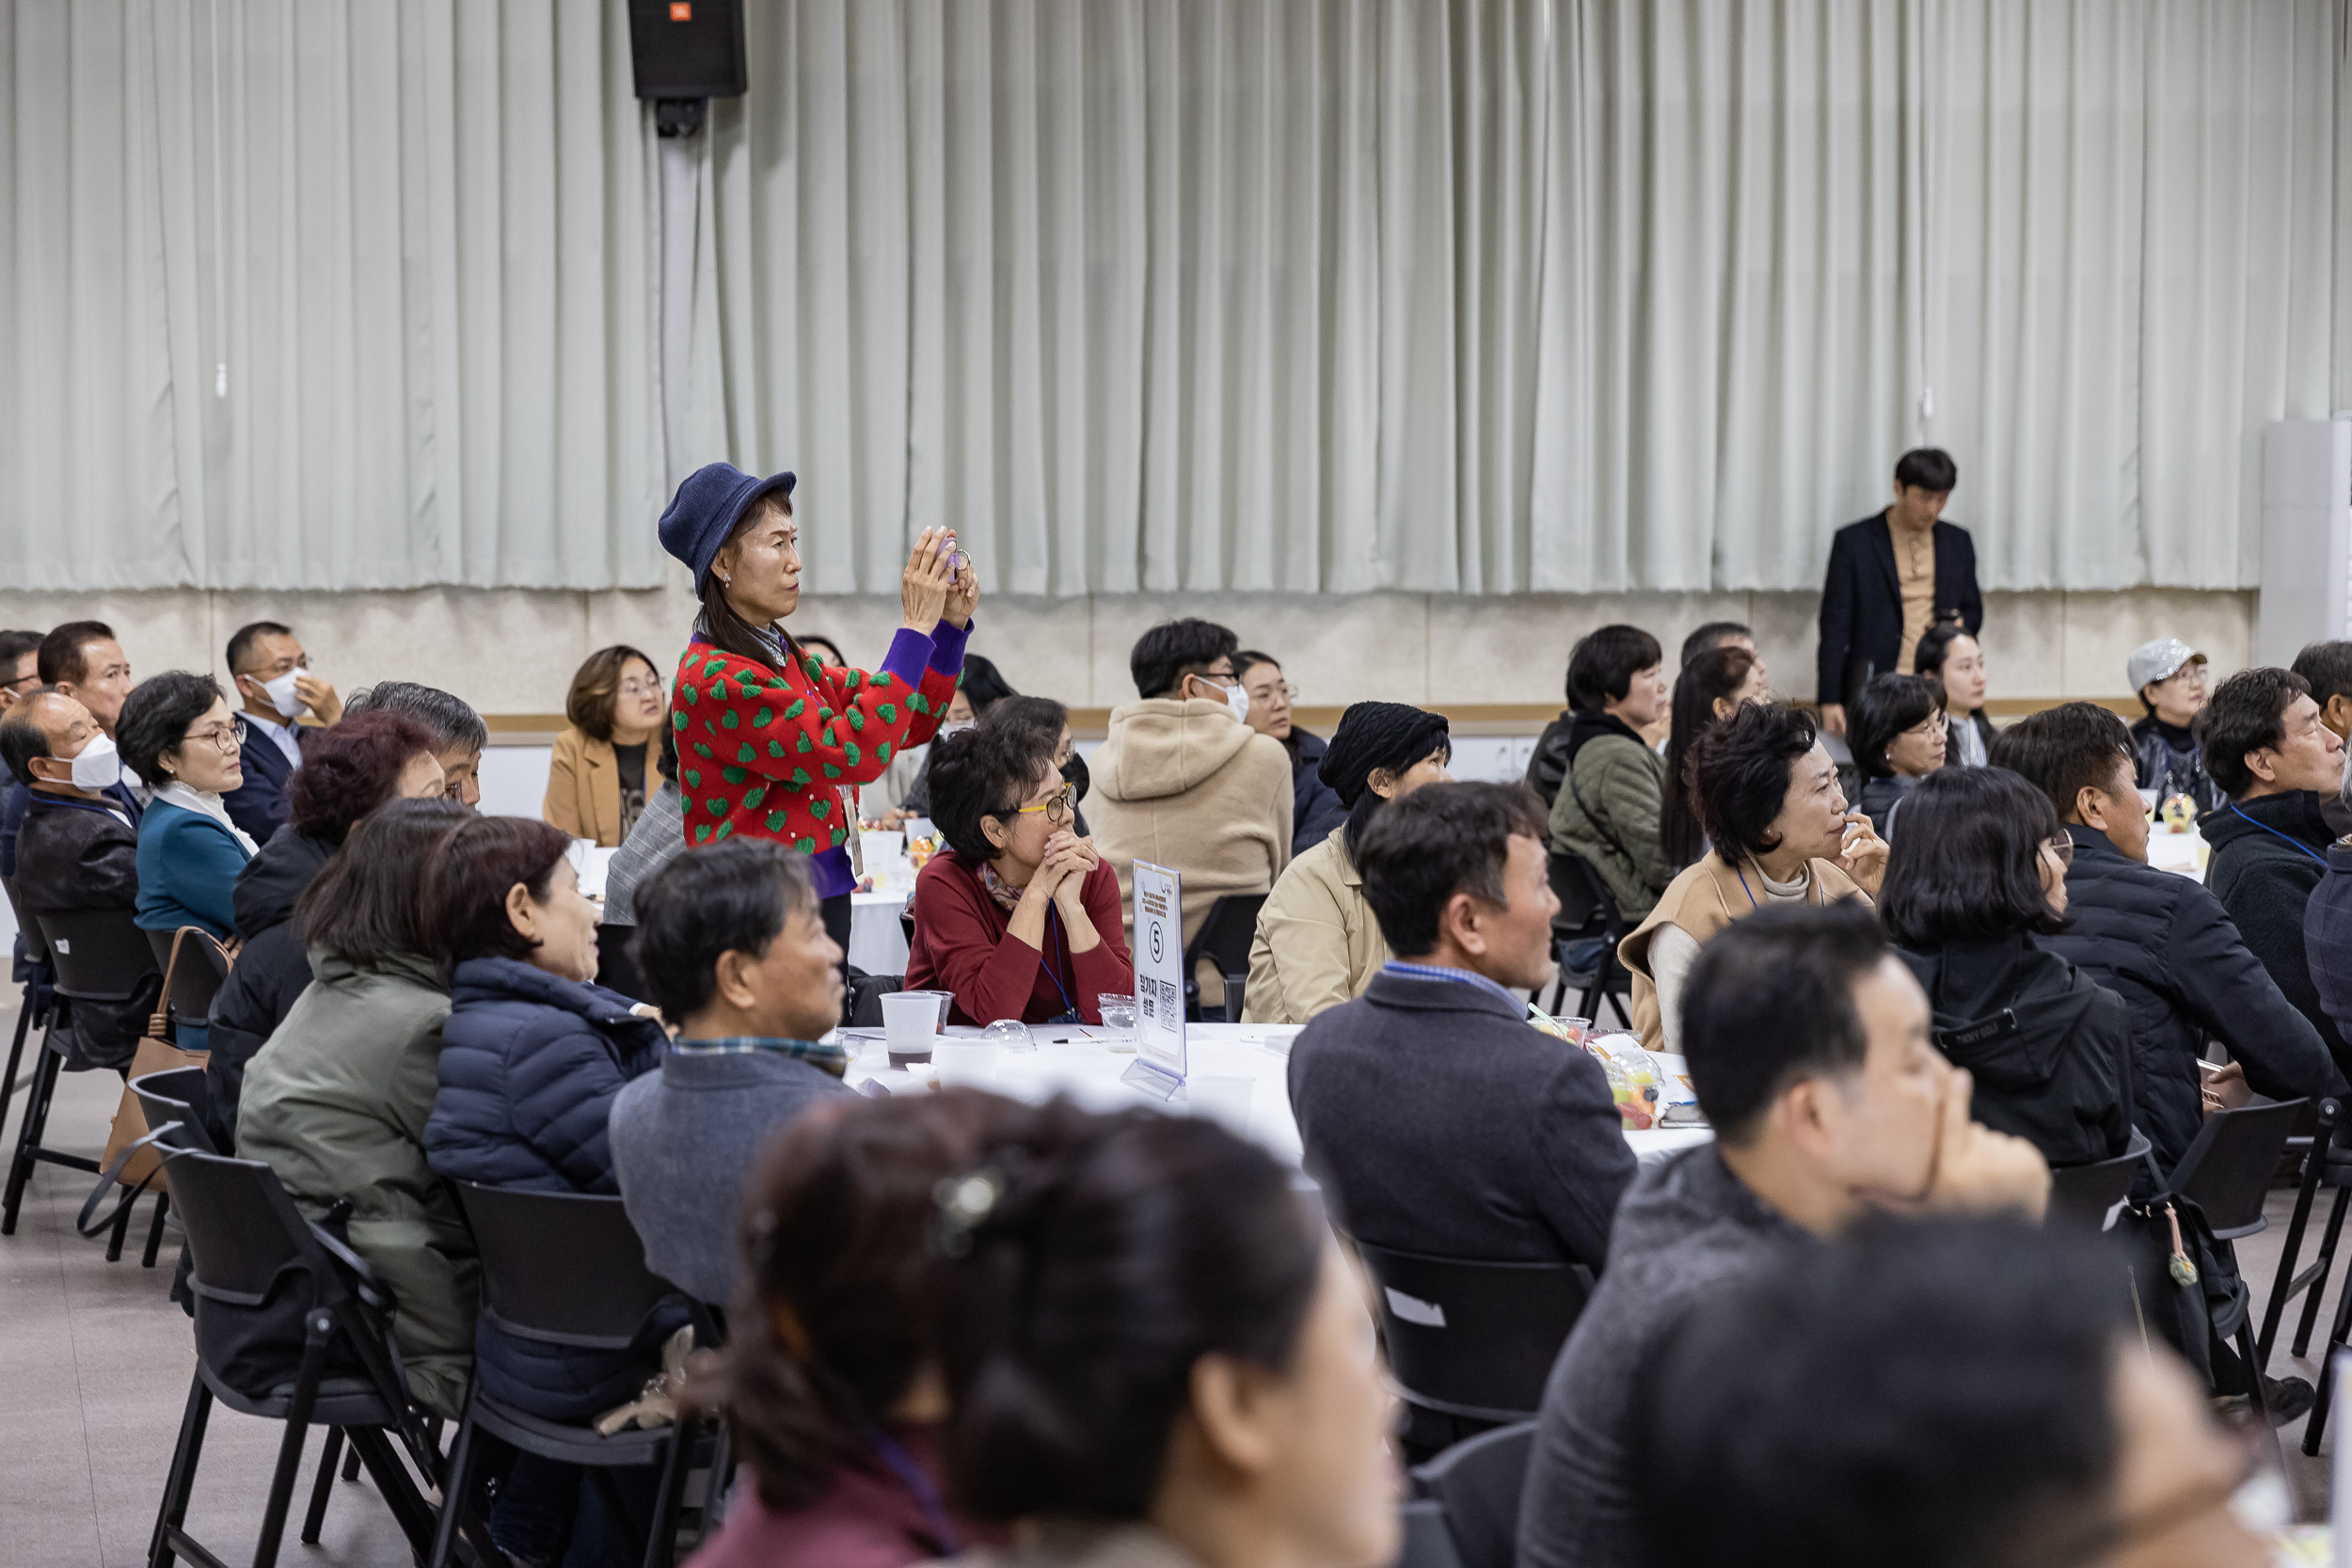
(1706, 896)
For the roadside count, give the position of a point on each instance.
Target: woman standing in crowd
(177, 734)
(1899, 738)
(336, 1101)
(1018, 918)
(832, 1381)
(1979, 872)
(772, 743)
(1155, 1354)
(597, 783)
(348, 770)
(1317, 943)
(1769, 804)
(1314, 811)
(1612, 785)
(1956, 661)
(1713, 687)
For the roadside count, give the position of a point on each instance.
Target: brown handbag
(156, 1053)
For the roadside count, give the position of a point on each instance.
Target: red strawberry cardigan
(761, 750)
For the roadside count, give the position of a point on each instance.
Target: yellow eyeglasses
(1055, 806)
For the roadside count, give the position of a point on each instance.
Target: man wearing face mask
(273, 676)
(1183, 781)
(77, 850)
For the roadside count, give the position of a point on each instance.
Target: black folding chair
(2088, 1193)
(1477, 1483)
(565, 1269)
(203, 969)
(2321, 1158)
(1223, 940)
(99, 957)
(1423, 1541)
(290, 1327)
(32, 1010)
(1469, 1341)
(1588, 912)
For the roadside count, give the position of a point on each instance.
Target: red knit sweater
(963, 943)
(761, 750)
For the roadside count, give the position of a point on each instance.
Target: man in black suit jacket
(273, 676)
(1436, 1117)
(1869, 624)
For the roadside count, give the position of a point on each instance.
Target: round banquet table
(1236, 1074)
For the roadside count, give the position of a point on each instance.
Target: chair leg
(16, 1054)
(2324, 1264)
(2317, 1426)
(409, 1507)
(325, 1485)
(351, 1465)
(456, 1496)
(2282, 1282)
(715, 1489)
(316, 1331)
(121, 1230)
(28, 1136)
(662, 1536)
(155, 1230)
(181, 1481)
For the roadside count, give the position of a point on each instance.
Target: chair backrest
(564, 1268)
(243, 1230)
(1423, 1540)
(2227, 1170)
(203, 969)
(1226, 933)
(1474, 1338)
(36, 947)
(2087, 1193)
(1477, 1481)
(1586, 907)
(177, 1100)
(99, 955)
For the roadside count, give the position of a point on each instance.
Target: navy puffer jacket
(530, 1066)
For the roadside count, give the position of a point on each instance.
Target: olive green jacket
(1607, 812)
(335, 1103)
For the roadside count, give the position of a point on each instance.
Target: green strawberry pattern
(773, 745)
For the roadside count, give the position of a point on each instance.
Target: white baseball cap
(2159, 659)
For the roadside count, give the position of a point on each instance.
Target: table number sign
(1159, 915)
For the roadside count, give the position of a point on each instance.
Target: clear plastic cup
(1119, 1010)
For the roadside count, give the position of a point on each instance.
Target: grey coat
(683, 1142)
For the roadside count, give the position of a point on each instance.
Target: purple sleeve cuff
(947, 641)
(907, 650)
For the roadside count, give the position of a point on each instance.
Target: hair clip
(964, 1203)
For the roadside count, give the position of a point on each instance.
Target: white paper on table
(591, 864)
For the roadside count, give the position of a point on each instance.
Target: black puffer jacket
(2167, 947)
(2049, 1048)
(2269, 854)
(270, 972)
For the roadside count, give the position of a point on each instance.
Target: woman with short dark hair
(597, 779)
(178, 738)
(832, 1383)
(534, 1053)
(1713, 686)
(335, 1101)
(1978, 873)
(1612, 785)
(348, 770)
(1155, 1354)
(1046, 723)
(1770, 804)
(1899, 736)
(1018, 918)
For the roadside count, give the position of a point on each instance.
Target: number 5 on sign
(1159, 1065)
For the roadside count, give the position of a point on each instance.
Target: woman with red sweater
(771, 742)
(1018, 918)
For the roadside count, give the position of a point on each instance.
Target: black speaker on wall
(687, 52)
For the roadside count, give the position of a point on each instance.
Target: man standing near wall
(1891, 577)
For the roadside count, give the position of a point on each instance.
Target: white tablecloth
(878, 945)
(1234, 1075)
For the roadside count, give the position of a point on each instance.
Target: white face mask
(98, 765)
(281, 695)
(957, 727)
(1237, 701)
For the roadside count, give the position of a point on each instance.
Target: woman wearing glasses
(1899, 738)
(1978, 874)
(176, 733)
(1018, 918)
(598, 781)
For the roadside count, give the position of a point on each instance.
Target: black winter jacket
(75, 857)
(2269, 854)
(2049, 1048)
(2169, 948)
(270, 972)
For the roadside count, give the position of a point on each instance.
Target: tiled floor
(95, 1362)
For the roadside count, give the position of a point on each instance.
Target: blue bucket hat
(707, 508)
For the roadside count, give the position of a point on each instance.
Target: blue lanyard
(925, 1495)
(2275, 833)
(1070, 1012)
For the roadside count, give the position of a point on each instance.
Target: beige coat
(585, 786)
(1706, 896)
(1186, 786)
(1317, 943)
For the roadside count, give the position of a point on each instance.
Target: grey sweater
(683, 1142)
(1687, 1228)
